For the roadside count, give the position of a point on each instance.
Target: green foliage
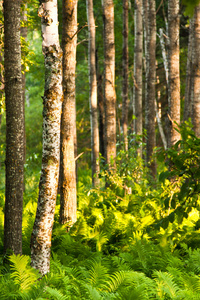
(181, 181)
(190, 5)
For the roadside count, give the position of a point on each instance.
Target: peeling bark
(42, 229)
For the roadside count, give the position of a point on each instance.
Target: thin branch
(79, 156)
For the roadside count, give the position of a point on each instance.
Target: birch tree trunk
(14, 128)
(109, 78)
(68, 198)
(151, 80)
(174, 71)
(93, 94)
(125, 72)
(196, 73)
(42, 229)
(138, 58)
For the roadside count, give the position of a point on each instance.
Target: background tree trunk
(24, 32)
(109, 81)
(42, 229)
(189, 86)
(138, 58)
(151, 80)
(174, 71)
(93, 94)
(196, 73)
(14, 128)
(68, 198)
(125, 73)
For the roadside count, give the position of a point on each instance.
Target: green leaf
(165, 223)
(173, 203)
(163, 176)
(166, 202)
(171, 217)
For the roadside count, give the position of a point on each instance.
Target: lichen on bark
(52, 101)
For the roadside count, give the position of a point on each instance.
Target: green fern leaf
(93, 294)
(166, 284)
(56, 294)
(22, 274)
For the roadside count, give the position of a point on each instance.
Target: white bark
(52, 100)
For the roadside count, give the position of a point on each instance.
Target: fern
(55, 294)
(166, 285)
(22, 274)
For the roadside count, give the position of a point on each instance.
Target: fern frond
(93, 294)
(22, 274)
(166, 284)
(115, 280)
(194, 262)
(56, 294)
(97, 275)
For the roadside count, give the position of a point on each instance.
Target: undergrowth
(135, 239)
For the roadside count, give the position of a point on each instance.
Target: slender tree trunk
(100, 101)
(138, 58)
(2, 87)
(109, 78)
(52, 100)
(146, 52)
(24, 31)
(68, 199)
(93, 94)
(189, 79)
(174, 71)
(14, 128)
(125, 71)
(164, 55)
(196, 73)
(151, 79)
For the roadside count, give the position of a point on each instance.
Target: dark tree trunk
(14, 128)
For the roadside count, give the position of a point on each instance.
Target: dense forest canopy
(99, 149)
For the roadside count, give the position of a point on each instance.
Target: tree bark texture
(164, 55)
(151, 79)
(14, 128)
(196, 73)
(93, 94)
(68, 198)
(187, 113)
(109, 81)
(125, 73)
(174, 70)
(146, 53)
(52, 100)
(138, 59)
(24, 32)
